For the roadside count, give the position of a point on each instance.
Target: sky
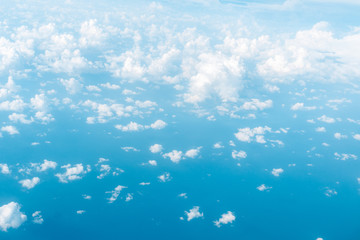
(180, 119)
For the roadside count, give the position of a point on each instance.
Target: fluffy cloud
(256, 104)
(247, 134)
(131, 127)
(345, 156)
(115, 193)
(4, 168)
(226, 218)
(238, 154)
(277, 171)
(45, 165)
(29, 183)
(175, 156)
(10, 129)
(37, 217)
(263, 187)
(11, 216)
(71, 173)
(193, 153)
(339, 136)
(158, 124)
(194, 213)
(164, 177)
(326, 119)
(71, 85)
(156, 148)
(300, 106)
(357, 137)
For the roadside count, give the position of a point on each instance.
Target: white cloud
(256, 104)
(193, 153)
(80, 212)
(11, 216)
(29, 183)
(339, 136)
(345, 156)
(131, 127)
(175, 155)
(18, 117)
(46, 165)
(238, 154)
(164, 177)
(4, 168)
(194, 213)
(247, 134)
(37, 217)
(129, 197)
(226, 218)
(10, 129)
(156, 148)
(71, 85)
(115, 193)
(300, 106)
(74, 172)
(91, 34)
(158, 124)
(16, 105)
(152, 162)
(39, 102)
(357, 137)
(277, 171)
(105, 170)
(263, 187)
(320, 129)
(218, 145)
(326, 119)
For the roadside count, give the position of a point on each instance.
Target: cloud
(194, 213)
(320, 129)
(5, 168)
(326, 119)
(105, 170)
(158, 124)
(247, 134)
(345, 156)
(300, 106)
(238, 154)
(115, 193)
(46, 165)
(10, 129)
(164, 177)
(277, 171)
(152, 162)
(17, 117)
(37, 217)
(263, 187)
(175, 156)
(11, 216)
(339, 136)
(226, 218)
(256, 104)
(131, 127)
(72, 173)
(30, 183)
(156, 148)
(357, 137)
(71, 85)
(193, 153)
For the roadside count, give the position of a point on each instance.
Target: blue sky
(180, 119)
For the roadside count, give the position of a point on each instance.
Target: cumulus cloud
(72, 173)
(37, 217)
(277, 171)
(4, 168)
(225, 218)
(326, 119)
(345, 156)
(158, 124)
(164, 177)
(29, 183)
(193, 153)
(46, 165)
(247, 134)
(115, 193)
(156, 148)
(263, 187)
(300, 106)
(131, 127)
(339, 136)
(10, 130)
(11, 216)
(256, 104)
(175, 156)
(238, 154)
(71, 85)
(194, 213)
